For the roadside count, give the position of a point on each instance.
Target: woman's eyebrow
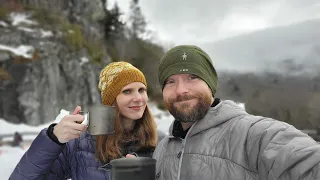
(126, 89)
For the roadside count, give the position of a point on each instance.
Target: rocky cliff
(47, 60)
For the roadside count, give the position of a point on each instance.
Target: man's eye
(169, 82)
(193, 77)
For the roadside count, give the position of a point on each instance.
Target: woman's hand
(130, 156)
(69, 127)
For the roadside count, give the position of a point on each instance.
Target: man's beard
(195, 113)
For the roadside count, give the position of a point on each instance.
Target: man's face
(187, 97)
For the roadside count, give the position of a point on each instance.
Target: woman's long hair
(108, 147)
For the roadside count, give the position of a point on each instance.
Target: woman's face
(132, 100)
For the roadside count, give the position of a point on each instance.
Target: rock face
(36, 83)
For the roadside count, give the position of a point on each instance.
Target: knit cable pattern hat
(114, 77)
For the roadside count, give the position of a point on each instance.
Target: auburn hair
(108, 147)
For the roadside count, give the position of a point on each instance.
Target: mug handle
(86, 118)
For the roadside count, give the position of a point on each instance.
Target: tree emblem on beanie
(184, 56)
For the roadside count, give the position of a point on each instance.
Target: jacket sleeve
(44, 159)
(277, 150)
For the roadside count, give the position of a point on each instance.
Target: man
(212, 139)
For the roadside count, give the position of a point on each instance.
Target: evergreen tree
(136, 20)
(113, 26)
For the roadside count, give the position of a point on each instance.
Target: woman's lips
(135, 107)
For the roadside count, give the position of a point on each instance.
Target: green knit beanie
(188, 59)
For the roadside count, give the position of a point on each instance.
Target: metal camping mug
(100, 119)
(139, 168)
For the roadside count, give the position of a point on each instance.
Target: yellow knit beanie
(114, 77)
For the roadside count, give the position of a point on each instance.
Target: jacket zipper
(184, 141)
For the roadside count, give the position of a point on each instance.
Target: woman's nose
(137, 97)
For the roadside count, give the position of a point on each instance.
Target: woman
(60, 152)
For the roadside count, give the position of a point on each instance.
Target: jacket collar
(224, 111)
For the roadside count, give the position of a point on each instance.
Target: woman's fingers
(76, 110)
(130, 156)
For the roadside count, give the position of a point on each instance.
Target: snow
(162, 118)
(9, 158)
(3, 24)
(18, 18)
(45, 34)
(83, 60)
(22, 18)
(9, 128)
(22, 50)
(26, 29)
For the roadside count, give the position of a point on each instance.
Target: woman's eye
(126, 91)
(142, 90)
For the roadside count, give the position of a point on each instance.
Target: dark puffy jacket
(46, 159)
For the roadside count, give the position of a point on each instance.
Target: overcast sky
(201, 21)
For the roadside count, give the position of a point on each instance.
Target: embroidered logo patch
(184, 56)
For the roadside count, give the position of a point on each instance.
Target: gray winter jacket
(230, 144)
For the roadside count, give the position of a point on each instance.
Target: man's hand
(69, 127)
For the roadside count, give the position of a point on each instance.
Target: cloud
(189, 21)
(266, 49)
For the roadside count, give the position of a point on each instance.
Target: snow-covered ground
(10, 156)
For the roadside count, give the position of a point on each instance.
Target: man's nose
(181, 88)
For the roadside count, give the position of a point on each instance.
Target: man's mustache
(183, 98)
